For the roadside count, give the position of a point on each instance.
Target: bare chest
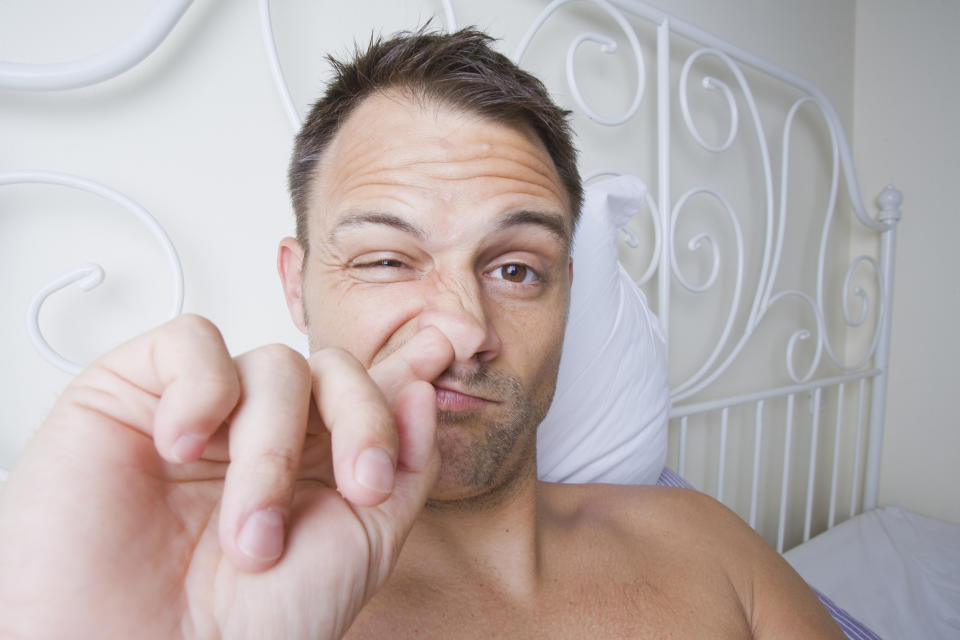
(584, 608)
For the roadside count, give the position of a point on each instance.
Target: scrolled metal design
(88, 276)
(697, 242)
(858, 292)
(110, 62)
(607, 45)
(766, 164)
(865, 307)
(802, 334)
(708, 83)
(767, 297)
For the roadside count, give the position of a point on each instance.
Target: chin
(481, 466)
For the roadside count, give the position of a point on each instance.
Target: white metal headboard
(867, 375)
(710, 412)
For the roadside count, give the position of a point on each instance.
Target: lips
(453, 400)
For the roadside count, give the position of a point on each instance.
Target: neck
(493, 542)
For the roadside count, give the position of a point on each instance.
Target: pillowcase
(608, 420)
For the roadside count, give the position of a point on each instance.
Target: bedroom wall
(196, 134)
(906, 132)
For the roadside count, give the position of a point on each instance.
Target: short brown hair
(459, 70)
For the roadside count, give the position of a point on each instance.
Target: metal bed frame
(702, 418)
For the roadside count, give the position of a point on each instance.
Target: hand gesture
(174, 491)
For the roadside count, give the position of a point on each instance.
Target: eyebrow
(360, 218)
(553, 223)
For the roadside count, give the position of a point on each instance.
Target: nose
(459, 315)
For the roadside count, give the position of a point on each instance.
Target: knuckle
(436, 343)
(193, 327)
(333, 357)
(217, 389)
(280, 462)
(274, 365)
(281, 357)
(270, 474)
(435, 349)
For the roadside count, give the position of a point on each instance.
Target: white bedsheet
(897, 572)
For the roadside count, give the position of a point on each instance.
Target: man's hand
(174, 491)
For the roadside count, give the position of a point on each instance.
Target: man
(386, 487)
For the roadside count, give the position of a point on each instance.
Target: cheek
(365, 321)
(535, 335)
(550, 348)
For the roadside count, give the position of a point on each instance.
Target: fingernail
(188, 448)
(374, 470)
(262, 535)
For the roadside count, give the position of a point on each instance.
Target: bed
(732, 299)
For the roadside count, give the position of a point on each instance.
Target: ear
(290, 266)
(570, 268)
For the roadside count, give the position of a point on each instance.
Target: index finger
(423, 357)
(363, 434)
(358, 406)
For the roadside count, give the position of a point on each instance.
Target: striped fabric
(853, 628)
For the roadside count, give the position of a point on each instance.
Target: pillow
(608, 421)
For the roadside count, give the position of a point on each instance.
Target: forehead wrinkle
(502, 151)
(397, 175)
(482, 167)
(504, 147)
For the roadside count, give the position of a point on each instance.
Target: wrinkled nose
(459, 316)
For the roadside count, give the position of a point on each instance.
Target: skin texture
(386, 486)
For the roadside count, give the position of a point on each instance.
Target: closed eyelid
(379, 259)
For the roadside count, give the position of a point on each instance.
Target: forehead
(393, 146)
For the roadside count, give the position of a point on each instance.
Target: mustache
(482, 380)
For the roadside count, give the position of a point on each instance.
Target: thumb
(418, 467)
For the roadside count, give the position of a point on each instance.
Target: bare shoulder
(702, 546)
(642, 509)
(682, 525)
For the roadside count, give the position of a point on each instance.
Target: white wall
(906, 133)
(195, 134)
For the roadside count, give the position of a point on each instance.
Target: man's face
(427, 216)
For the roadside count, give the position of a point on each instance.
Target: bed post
(889, 200)
(663, 176)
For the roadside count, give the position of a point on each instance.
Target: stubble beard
(486, 459)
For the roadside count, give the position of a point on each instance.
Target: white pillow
(608, 421)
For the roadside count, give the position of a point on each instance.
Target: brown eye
(514, 272)
(518, 273)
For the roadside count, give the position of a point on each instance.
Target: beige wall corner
(907, 86)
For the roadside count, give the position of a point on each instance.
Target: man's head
(457, 70)
(420, 213)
